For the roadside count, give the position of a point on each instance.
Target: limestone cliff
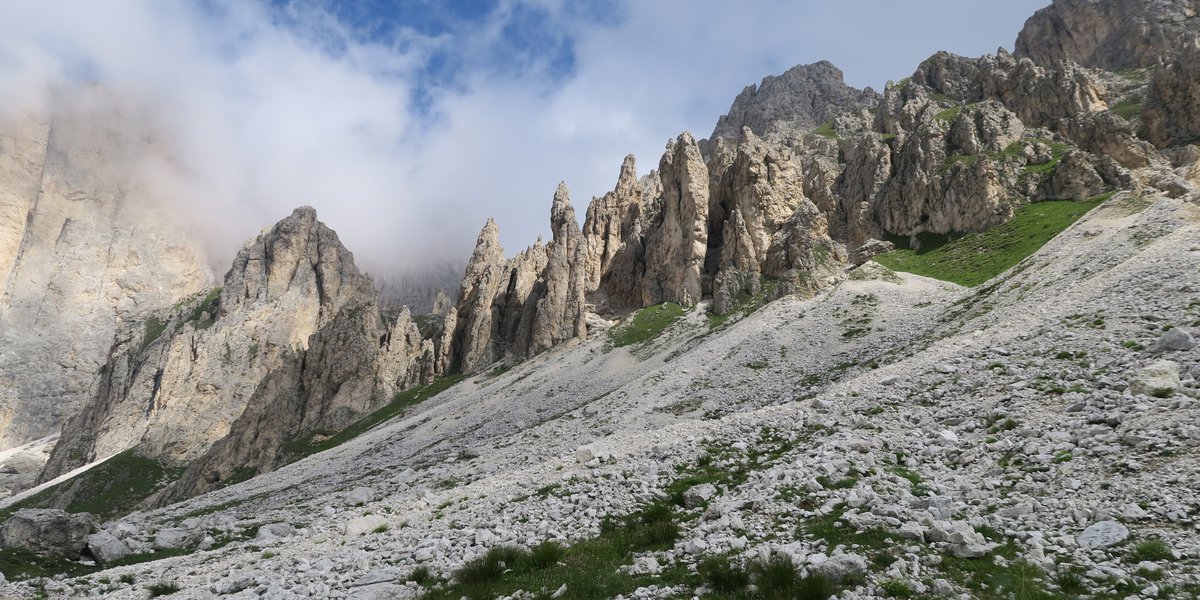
(515, 308)
(793, 102)
(173, 387)
(1109, 34)
(678, 239)
(87, 243)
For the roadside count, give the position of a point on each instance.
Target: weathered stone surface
(174, 395)
(517, 308)
(106, 548)
(1176, 339)
(1170, 114)
(558, 298)
(931, 191)
(1160, 379)
(177, 538)
(86, 245)
(797, 101)
(610, 221)
(1110, 34)
(1073, 179)
(49, 532)
(486, 277)
(1102, 534)
(675, 250)
(1038, 95)
(364, 525)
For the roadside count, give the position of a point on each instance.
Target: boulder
(1160, 380)
(697, 495)
(49, 532)
(840, 567)
(1176, 339)
(176, 538)
(274, 531)
(360, 495)
(106, 548)
(1102, 534)
(365, 524)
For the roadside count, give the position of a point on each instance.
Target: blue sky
(407, 123)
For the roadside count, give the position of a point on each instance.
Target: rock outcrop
(1109, 34)
(173, 386)
(676, 246)
(792, 103)
(610, 221)
(324, 387)
(1172, 113)
(48, 532)
(86, 245)
(515, 308)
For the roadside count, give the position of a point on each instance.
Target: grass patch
(19, 564)
(207, 306)
(722, 575)
(646, 324)
(967, 160)
(974, 258)
(1018, 579)
(162, 588)
(746, 303)
(876, 544)
(110, 489)
(896, 588)
(588, 568)
(421, 576)
(1153, 549)
(778, 578)
(1135, 74)
(949, 114)
(296, 449)
(826, 130)
(1057, 150)
(918, 487)
(1130, 109)
(153, 328)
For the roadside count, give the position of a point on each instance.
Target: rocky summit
(934, 342)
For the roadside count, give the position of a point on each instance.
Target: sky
(407, 123)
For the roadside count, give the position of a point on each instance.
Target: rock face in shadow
(326, 386)
(516, 308)
(1172, 113)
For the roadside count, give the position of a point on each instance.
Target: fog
(406, 138)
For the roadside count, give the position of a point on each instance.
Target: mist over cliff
(405, 133)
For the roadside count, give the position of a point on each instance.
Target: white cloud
(269, 113)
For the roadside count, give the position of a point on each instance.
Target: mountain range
(930, 341)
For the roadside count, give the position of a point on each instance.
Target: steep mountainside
(173, 387)
(1109, 34)
(632, 391)
(86, 245)
(964, 429)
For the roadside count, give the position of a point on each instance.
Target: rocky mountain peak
(300, 254)
(198, 368)
(796, 101)
(562, 214)
(487, 245)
